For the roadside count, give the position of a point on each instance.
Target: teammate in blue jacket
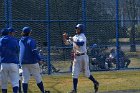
(9, 50)
(12, 32)
(29, 58)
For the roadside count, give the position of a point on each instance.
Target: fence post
(84, 12)
(8, 12)
(117, 35)
(48, 35)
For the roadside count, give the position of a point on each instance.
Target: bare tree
(132, 14)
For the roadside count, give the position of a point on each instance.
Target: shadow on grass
(54, 89)
(124, 91)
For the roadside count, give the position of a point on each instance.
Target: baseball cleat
(47, 91)
(96, 87)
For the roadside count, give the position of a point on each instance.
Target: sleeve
(0, 47)
(80, 41)
(17, 46)
(34, 50)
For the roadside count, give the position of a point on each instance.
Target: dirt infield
(123, 91)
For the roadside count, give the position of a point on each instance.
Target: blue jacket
(9, 49)
(28, 52)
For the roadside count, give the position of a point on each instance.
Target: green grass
(135, 63)
(109, 81)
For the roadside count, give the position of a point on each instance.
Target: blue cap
(10, 29)
(4, 31)
(26, 29)
(94, 45)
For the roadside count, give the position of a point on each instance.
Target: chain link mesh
(65, 14)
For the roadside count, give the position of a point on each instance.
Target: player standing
(9, 50)
(81, 59)
(29, 58)
(12, 33)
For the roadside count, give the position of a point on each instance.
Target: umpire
(29, 58)
(9, 50)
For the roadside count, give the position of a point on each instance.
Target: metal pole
(84, 12)
(117, 34)
(48, 35)
(10, 13)
(6, 13)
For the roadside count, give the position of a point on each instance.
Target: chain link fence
(49, 19)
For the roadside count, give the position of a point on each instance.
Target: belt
(79, 54)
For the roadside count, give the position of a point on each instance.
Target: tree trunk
(132, 39)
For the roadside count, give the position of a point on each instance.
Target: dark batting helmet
(81, 26)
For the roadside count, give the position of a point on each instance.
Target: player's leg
(25, 78)
(35, 70)
(96, 83)
(87, 73)
(127, 61)
(0, 73)
(75, 74)
(14, 76)
(4, 78)
(20, 78)
(20, 91)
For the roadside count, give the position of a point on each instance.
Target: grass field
(109, 81)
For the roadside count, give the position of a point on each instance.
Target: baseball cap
(10, 29)
(94, 45)
(4, 31)
(26, 29)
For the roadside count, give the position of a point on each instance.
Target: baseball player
(81, 59)
(12, 33)
(9, 50)
(29, 58)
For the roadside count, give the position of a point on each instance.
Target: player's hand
(65, 36)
